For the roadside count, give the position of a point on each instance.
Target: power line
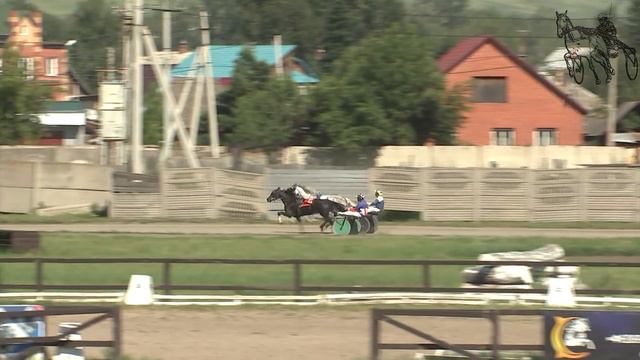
(481, 17)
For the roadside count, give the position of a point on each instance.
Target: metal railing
(297, 284)
(467, 350)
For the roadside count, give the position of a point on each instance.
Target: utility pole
(177, 123)
(166, 48)
(127, 22)
(612, 94)
(137, 159)
(277, 45)
(210, 86)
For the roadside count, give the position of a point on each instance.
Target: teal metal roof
(301, 78)
(224, 57)
(64, 106)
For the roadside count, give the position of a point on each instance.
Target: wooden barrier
(40, 342)
(297, 285)
(431, 341)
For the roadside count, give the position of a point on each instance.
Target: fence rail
(393, 317)
(297, 285)
(36, 343)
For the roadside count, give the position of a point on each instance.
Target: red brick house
(510, 103)
(44, 61)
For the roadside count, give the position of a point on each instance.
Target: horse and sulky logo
(594, 46)
(570, 337)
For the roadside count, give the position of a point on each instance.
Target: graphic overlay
(594, 47)
(592, 335)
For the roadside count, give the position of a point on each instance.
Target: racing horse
(326, 208)
(601, 47)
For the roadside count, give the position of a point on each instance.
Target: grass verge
(298, 247)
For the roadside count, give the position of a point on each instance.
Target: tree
(266, 119)
(249, 75)
(386, 90)
(20, 102)
(258, 111)
(95, 27)
(152, 117)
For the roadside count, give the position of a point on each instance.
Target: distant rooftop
(225, 56)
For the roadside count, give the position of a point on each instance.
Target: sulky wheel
(373, 220)
(365, 225)
(355, 226)
(341, 226)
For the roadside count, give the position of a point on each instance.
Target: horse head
(275, 195)
(563, 23)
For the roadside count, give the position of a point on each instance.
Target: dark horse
(292, 208)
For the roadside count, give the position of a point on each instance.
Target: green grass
(297, 247)
(391, 217)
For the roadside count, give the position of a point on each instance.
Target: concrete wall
(26, 186)
(590, 194)
(89, 154)
(534, 157)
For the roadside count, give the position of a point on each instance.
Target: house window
(490, 89)
(24, 30)
(28, 66)
(544, 137)
(52, 66)
(503, 137)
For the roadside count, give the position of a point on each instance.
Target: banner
(20, 327)
(592, 335)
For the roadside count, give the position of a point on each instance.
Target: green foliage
(385, 90)
(266, 118)
(152, 117)
(249, 75)
(20, 101)
(95, 27)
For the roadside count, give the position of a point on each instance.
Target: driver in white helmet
(378, 202)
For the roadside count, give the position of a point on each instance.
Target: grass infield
(300, 247)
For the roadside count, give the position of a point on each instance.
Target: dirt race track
(275, 229)
(280, 333)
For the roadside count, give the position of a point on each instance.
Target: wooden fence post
(166, 277)
(39, 274)
(375, 334)
(297, 278)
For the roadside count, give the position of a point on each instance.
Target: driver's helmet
(360, 197)
(378, 193)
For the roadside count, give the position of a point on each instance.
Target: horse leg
(300, 226)
(280, 213)
(606, 65)
(593, 70)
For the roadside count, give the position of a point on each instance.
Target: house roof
(225, 56)
(63, 113)
(64, 106)
(625, 108)
(301, 78)
(468, 46)
(555, 59)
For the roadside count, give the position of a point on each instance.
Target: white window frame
(496, 138)
(52, 66)
(24, 30)
(28, 66)
(551, 139)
